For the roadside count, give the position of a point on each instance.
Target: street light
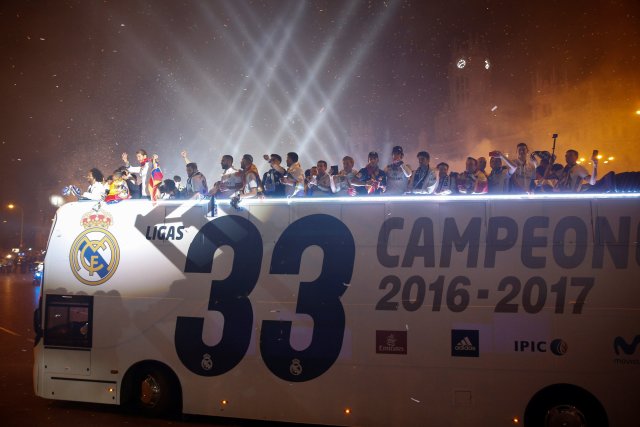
(12, 206)
(56, 200)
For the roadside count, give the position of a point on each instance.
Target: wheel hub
(565, 416)
(150, 391)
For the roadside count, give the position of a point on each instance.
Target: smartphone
(595, 153)
(334, 170)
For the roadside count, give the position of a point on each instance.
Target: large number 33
(319, 299)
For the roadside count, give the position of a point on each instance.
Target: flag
(154, 182)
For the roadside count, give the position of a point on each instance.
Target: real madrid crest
(95, 254)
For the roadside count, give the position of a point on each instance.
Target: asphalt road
(18, 404)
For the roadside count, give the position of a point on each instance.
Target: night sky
(83, 81)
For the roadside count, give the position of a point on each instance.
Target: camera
(544, 155)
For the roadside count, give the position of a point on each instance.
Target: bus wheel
(564, 405)
(154, 391)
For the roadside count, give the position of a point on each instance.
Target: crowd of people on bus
(529, 172)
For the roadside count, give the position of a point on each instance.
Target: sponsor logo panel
(465, 343)
(627, 350)
(557, 346)
(391, 342)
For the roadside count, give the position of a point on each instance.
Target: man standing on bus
(271, 180)
(96, 190)
(143, 171)
(574, 174)
(321, 185)
(423, 180)
(251, 186)
(370, 179)
(500, 176)
(398, 173)
(293, 176)
(443, 185)
(524, 169)
(342, 181)
(474, 181)
(196, 181)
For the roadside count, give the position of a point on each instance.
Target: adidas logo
(465, 344)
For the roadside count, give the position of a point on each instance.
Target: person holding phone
(574, 174)
(342, 180)
(320, 185)
(271, 180)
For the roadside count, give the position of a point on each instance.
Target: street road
(18, 404)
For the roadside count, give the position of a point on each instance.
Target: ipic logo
(557, 347)
(465, 343)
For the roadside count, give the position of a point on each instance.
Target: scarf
(421, 175)
(442, 182)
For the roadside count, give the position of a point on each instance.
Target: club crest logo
(95, 254)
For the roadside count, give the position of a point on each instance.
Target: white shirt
(250, 183)
(524, 174)
(572, 177)
(397, 179)
(96, 191)
(295, 171)
(230, 180)
(343, 181)
(143, 173)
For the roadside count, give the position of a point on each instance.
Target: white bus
(443, 311)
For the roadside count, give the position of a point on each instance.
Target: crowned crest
(99, 219)
(94, 254)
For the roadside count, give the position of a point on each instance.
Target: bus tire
(564, 405)
(153, 390)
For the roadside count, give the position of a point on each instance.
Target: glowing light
(610, 158)
(599, 156)
(487, 64)
(223, 402)
(347, 411)
(11, 206)
(638, 112)
(8, 256)
(606, 161)
(516, 420)
(582, 159)
(461, 63)
(56, 200)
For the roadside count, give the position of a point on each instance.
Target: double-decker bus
(444, 311)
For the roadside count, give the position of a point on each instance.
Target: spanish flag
(154, 182)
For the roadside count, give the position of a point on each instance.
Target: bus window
(68, 321)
